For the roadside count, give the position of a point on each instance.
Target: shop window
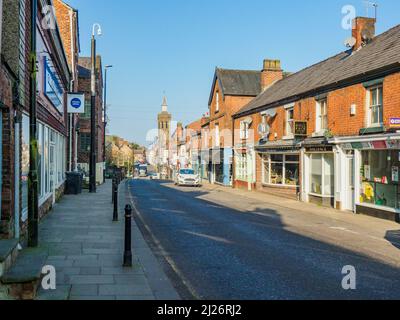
(322, 174)
(25, 162)
(241, 167)
(380, 178)
(375, 108)
(322, 115)
(281, 169)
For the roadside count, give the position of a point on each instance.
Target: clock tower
(164, 126)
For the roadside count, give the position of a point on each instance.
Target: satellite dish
(350, 42)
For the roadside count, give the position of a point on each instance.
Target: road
(219, 245)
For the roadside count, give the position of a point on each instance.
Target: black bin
(74, 183)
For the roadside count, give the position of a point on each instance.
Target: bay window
(281, 169)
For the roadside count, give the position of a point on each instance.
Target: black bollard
(115, 192)
(112, 189)
(128, 237)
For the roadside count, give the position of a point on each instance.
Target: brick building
(329, 134)
(230, 91)
(193, 145)
(53, 81)
(68, 23)
(84, 75)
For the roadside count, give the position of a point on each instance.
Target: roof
(237, 82)
(195, 126)
(382, 53)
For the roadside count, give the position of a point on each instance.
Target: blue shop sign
(52, 87)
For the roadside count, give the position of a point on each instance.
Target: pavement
(86, 248)
(223, 243)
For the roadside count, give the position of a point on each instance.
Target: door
(350, 183)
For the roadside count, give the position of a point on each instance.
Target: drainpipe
(233, 154)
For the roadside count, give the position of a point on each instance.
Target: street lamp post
(93, 153)
(105, 116)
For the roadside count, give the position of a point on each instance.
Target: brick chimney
(363, 31)
(271, 73)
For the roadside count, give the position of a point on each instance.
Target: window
(241, 167)
(85, 142)
(322, 115)
(322, 174)
(376, 106)
(217, 138)
(380, 178)
(87, 114)
(217, 102)
(290, 122)
(244, 130)
(25, 162)
(281, 169)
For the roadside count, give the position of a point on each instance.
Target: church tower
(164, 125)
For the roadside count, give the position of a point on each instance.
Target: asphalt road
(216, 251)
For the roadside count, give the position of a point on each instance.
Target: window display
(281, 169)
(380, 178)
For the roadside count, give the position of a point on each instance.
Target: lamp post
(105, 117)
(93, 153)
(33, 180)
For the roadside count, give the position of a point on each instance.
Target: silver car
(187, 177)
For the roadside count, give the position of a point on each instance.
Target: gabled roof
(237, 83)
(380, 56)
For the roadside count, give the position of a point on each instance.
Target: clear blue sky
(175, 45)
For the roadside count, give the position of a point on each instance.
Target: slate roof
(237, 82)
(383, 52)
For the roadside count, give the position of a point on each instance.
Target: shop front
(376, 175)
(221, 166)
(318, 183)
(280, 168)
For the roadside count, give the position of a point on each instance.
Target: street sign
(76, 103)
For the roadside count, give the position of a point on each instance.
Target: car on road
(143, 171)
(187, 177)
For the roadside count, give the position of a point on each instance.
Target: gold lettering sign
(300, 128)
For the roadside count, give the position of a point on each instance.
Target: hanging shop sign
(52, 87)
(76, 102)
(300, 128)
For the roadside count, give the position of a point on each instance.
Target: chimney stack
(271, 73)
(363, 31)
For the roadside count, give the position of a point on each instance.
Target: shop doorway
(350, 183)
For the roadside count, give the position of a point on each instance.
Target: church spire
(164, 105)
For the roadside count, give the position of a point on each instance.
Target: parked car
(187, 177)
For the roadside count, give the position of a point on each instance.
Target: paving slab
(86, 248)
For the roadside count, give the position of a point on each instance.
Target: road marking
(162, 250)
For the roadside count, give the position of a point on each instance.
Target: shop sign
(394, 122)
(319, 149)
(393, 144)
(52, 87)
(300, 128)
(379, 145)
(76, 103)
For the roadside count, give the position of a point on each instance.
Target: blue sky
(173, 46)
